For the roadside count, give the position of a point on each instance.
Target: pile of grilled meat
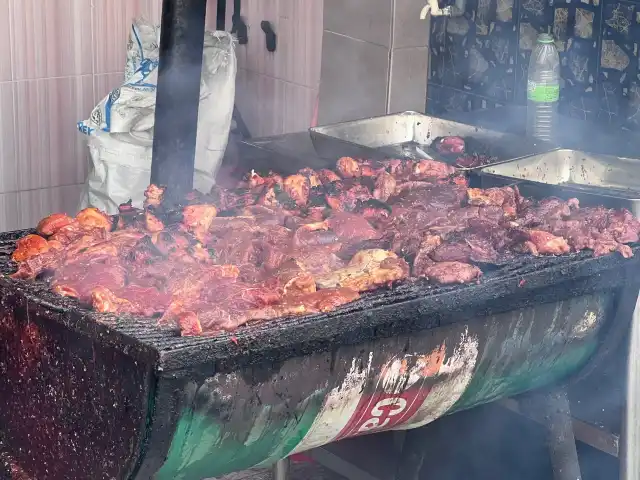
(273, 246)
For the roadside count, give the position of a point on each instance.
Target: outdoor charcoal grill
(91, 396)
(87, 395)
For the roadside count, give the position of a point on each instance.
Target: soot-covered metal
(178, 97)
(408, 307)
(108, 395)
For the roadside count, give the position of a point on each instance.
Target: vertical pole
(178, 94)
(552, 407)
(281, 469)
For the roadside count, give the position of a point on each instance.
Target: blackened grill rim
(374, 311)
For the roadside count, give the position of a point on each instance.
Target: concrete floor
(299, 471)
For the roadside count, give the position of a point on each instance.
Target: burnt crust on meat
(274, 246)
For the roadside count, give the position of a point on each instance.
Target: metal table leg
(281, 469)
(178, 94)
(630, 438)
(561, 441)
(552, 408)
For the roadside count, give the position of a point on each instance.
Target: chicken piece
(153, 196)
(65, 291)
(292, 279)
(504, 197)
(29, 247)
(425, 169)
(367, 269)
(74, 233)
(460, 180)
(312, 176)
(348, 167)
(328, 176)
(51, 224)
(129, 217)
(198, 219)
(540, 242)
(323, 300)
(385, 186)
(189, 324)
(93, 218)
(152, 223)
(451, 272)
(104, 300)
(297, 187)
(624, 226)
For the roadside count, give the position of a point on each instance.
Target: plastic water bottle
(543, 89)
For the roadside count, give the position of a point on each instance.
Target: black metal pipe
(178, 94)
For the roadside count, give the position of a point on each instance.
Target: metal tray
(403, 135)
(592, 178)
(283, 154)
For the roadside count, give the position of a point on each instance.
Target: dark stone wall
(480, 60)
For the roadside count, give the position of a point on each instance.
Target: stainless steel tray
(592, 178)
(398, 135)
(284, 154)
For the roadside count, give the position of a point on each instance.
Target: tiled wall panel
(269, 82)
(374, 59)
(481, 60)
(58, 58)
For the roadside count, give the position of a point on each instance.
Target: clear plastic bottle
(543, 89)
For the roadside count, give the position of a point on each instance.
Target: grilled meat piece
(449, 144)
(385, 186)
(544, 243)
(94, 218)
(423, 258)
(504, 197)
(29, 247)
(452, 272)
(303, 244)
(431, 169)
(51, 224)
(366, 270)
(348, 167)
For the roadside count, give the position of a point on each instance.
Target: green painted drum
(235, 421)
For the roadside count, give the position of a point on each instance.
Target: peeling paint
(584, 326)
(338, 408)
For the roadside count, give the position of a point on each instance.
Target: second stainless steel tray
(398, 135)
(603, 179)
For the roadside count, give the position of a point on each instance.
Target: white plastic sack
(120, 128)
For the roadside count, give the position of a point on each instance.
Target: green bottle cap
(545, 38)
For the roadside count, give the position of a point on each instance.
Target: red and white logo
(399, 392)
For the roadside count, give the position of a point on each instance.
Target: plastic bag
(120, 127)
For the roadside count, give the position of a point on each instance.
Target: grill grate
(374, 311)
